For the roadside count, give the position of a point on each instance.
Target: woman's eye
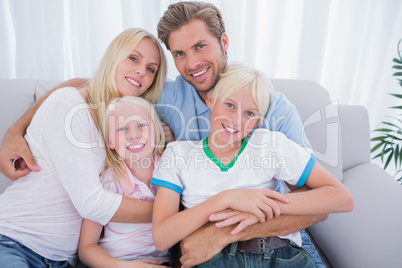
(142, 125)
(250, 113)
(133, 59)
(151, 70)
(122, 129)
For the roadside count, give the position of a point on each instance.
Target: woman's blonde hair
(237, 76)
(102, 87)
(113, 160)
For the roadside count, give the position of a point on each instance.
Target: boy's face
(135, 74)
(233, 118)
(131, 132)
(198, 55)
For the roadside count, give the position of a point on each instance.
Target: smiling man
(194, 32)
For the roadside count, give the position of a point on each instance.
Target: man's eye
(122, 129)
(179, 54)
(200, 46)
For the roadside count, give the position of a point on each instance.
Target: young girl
(135, 142)
(41, 213)
(210, 175)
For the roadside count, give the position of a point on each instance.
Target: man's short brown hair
(182, 13)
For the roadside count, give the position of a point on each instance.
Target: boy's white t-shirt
(188, 168)
(131, 241)
(44, 209)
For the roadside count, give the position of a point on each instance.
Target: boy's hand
(16, 159)
(229, 217)
(256, 201)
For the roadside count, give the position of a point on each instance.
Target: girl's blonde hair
(102, 87)
(113, 160)
(237, 76)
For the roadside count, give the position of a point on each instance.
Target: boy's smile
(232, 118)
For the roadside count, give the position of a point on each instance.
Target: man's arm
(14, 145)
(209, 240)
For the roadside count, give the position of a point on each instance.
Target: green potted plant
(389, 134)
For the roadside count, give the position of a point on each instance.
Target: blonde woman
(41, 213)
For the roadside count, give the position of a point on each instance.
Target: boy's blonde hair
(237, 76)
(113, 160)
(102, 87)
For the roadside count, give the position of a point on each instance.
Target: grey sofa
(340, 136)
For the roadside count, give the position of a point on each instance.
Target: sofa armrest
(355, 133)
(368, 236)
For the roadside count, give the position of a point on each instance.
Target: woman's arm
(170, 226)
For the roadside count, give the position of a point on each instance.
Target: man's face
(198, 55)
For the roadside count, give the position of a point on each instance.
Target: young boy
(207, 176)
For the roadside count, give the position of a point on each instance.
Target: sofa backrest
(320, 120)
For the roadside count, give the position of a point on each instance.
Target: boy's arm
(170, 226)
(203, 244)
(14, 145)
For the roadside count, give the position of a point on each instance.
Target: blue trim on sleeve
(168, 185)
(306, 171)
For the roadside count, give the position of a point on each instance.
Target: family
(96, 171)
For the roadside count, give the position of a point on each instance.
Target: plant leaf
(397, 74)
(379, 138)
(394, 137)
(390, 124)
(384, 130)
(389, 159)
(396, 107)
(399, 67)
(384, 152)
(397, 60)
(396, 95)
(396, 155)
(376, 147)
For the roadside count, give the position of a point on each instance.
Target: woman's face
(135, 74)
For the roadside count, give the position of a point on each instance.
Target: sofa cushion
(376, 218)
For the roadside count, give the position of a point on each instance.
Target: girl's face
(233, 118)
(135, 74)
(131, 133)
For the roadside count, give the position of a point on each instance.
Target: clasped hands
(247, 207)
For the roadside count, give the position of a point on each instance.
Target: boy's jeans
(16, 255)
(287, 256)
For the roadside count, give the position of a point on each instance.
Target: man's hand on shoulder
(16, 159)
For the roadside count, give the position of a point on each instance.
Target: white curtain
(345, 45)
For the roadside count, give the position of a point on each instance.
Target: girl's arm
(91, 254)
(170, 226)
